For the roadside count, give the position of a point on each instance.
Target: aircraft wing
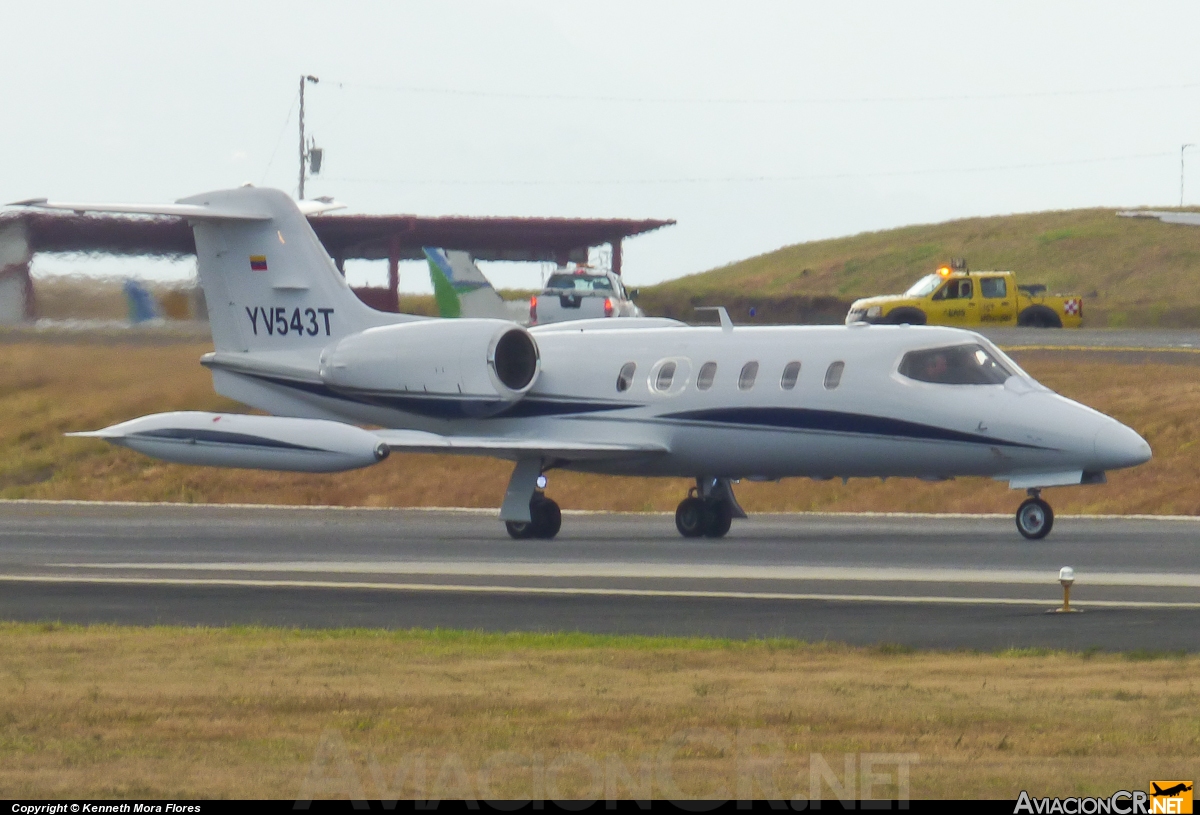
(418, 441)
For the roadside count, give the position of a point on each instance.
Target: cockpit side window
(955, 365)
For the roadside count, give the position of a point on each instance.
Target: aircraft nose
(1119, 446)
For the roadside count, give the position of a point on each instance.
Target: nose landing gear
(709, 509)
(1035, 518)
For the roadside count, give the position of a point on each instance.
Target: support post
(616, 256)
(15, 280)
(394, 269)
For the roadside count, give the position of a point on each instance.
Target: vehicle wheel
(907, 316)
(1038, 317)
(691, 517)
(1035, 519)
(519, 530)
(547, 518)
(720, 518)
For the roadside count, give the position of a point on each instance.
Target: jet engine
(253, 442)
(475, 360)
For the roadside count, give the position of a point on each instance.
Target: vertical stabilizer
(269, 283)
(460, 287)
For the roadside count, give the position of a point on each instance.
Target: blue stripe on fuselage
(835, 422)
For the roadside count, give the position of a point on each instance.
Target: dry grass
(46, 390)
(170, 712)
(1131, 271)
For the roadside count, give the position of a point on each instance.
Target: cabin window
(833, 374)
(704, 379)
(666, 373)
(625, 377)
(956, 365)
(993, 287)
(746, 377)
(791, 372)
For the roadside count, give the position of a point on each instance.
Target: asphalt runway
(920, 581)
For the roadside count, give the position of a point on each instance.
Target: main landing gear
(709, 509)
(1035, 518)
(545, 519)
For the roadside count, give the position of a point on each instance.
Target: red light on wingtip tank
(533, 309)
(608, 309)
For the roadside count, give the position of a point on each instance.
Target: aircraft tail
(268, 282)
(140, 302)
(460, 287)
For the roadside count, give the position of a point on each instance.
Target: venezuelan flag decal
(258, 263)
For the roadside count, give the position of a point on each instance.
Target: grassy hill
(1132, 271)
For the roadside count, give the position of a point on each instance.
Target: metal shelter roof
(373, 237)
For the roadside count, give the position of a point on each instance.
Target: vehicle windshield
(924, 286)
(955, 365)
(579, 282)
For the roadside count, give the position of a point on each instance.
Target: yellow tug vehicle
(954, 296)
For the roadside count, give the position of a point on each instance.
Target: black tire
(1035, 518)
(547, 518)
(906, 316)
(1039, 317)
(691, 518)
(720, 518)
(519, 530)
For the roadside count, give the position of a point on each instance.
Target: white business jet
(649, 397)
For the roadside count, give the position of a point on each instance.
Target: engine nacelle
(480, 361)
(252, 442)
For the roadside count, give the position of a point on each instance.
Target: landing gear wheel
(545, 520)
(692, 518)
(519, 530)
(1035, 518)
(720, 517)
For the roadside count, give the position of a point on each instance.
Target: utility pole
(303, 153)
(1181, 150)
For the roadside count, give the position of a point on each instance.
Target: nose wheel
(1035, 518)
(545, 520)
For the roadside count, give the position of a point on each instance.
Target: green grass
(113, 711)
(1132, 272)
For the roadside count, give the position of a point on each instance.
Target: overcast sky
(754, 124)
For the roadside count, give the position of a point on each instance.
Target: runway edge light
(1066, 577)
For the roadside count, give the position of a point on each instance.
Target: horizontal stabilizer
(416, 441)
(191, 210)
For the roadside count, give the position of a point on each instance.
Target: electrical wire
(747, 179)
(800, 100)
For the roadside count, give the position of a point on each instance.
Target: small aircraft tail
(460, 287)
(140, 302)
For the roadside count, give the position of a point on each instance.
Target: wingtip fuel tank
(254, 442)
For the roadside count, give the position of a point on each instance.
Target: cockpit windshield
(955, 365)
(924, 286)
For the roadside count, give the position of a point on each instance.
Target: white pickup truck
(580, 295)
